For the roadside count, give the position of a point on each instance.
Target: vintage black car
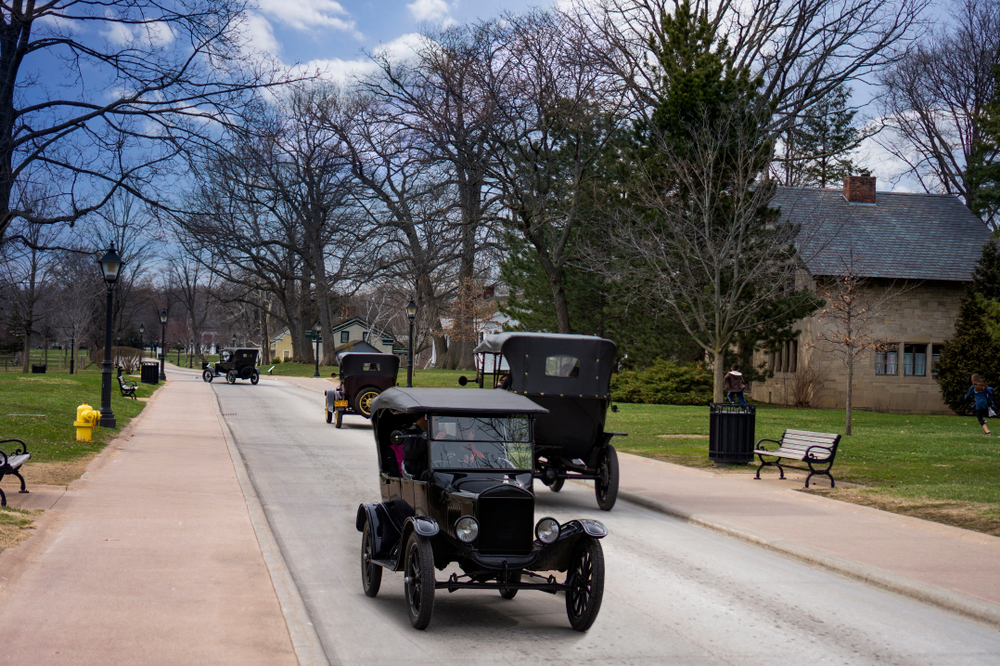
(463, 495)
(233, 364)
(362, 378)
(569, 375)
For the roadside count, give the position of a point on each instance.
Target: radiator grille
(506, 524)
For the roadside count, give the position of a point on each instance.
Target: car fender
(385, 533)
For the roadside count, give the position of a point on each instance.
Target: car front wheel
(418, 585)
(606, 486)
(208, 376)
(371, 573)
(585, 578)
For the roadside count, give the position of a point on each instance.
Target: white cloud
(402, 48)
(335, 70)
(260, 35)
(310, 14)
(431, 10)
(154, 34)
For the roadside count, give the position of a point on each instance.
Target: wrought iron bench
(11, 463)
(127, 388)
(812, 448)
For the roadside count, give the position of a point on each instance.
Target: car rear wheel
(363, 402)
(585, 578)
(329, 415)
(418, 585)
(371, 573)
(231, 376)
(512, 577)
(340, 418)
(606, 486)
(254, 376)
(557, 485)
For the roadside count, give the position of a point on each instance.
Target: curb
(305, 641)
(940, 597)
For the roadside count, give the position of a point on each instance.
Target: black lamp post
(191, 353)
(142, 344)
(163, 343)
(316, 330)
(180, 346)
(111, 265)
(234, 341)
(411, 313)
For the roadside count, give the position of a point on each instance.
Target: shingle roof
(901, 236)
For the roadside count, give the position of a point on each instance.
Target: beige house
(925, 246)
(346, 331)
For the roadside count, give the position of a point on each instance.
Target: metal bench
(812, 448)
(127, 388)
(11, 463)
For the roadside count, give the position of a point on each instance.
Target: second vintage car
(362, 377)
(455, 472)
(233, 364)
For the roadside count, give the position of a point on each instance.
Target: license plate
(340, 403)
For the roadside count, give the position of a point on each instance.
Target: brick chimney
(347, 311)
(860, 189)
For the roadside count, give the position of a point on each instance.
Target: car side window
(562, 366)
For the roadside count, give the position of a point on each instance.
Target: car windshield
(468, 442)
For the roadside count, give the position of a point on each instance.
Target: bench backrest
(801, 440)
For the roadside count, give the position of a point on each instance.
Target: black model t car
(362, 378)
(233, 364)
(462, 494)
(569, 375)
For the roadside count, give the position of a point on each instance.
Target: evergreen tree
(983, 172)
(823, 141)
(973, 348)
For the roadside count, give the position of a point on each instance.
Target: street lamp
(142, 345)
(191, 353)
(111, 265)
(411, 313)
(316, 330)
(234, 341)
(163, 343)
(180, 346)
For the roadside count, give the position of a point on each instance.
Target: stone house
(926, 246)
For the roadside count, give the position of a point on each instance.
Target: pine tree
(817, 151)
(973, 348)
(983, 172)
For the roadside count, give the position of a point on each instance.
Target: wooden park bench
(812, 448)
(11, 463)
(127, 388)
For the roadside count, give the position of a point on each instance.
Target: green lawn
(904, 456)
(40, 409)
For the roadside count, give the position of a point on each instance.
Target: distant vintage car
(233, 364)
(362, 377)
(462, 495)
(569, 375)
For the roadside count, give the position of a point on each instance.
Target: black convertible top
(449, 400)
(353, 363)
(555, 364)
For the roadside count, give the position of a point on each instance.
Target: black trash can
(731, 432)
(149, 372)
(38, 369)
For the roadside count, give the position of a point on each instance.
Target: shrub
(663, 383)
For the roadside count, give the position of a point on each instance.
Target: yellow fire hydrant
(87, 418)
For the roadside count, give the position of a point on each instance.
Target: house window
(935, 359)
(915, 360)
(793, 355)
(345, 336)
(887, 360)
(785, 359)
(286, 354)
(364, 336)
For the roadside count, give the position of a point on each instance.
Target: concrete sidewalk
(150, 558)
(159, 554)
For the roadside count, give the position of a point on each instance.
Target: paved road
(674, 593)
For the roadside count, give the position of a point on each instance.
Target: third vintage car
(233, 364)
(455, 472)
(362, 377)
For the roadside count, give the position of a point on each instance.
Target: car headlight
(547, 530)
(466, 529)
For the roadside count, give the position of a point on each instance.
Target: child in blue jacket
(984, 400)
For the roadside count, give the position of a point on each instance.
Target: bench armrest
(19, 450)
(773, 441)
(827, 449)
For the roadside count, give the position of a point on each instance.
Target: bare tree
(99, 96)
(849, 320)
(934, 99)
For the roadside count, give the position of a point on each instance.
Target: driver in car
(413, 442)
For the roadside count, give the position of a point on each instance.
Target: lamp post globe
(142, 344)
(111, 265)
(411, 314)
(163, 343)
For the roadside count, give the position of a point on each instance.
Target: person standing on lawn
(983, 395)
(735, 384)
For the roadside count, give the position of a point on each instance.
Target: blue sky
(333, 34)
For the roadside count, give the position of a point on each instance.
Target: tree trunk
(850, 390)
(720, 375)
